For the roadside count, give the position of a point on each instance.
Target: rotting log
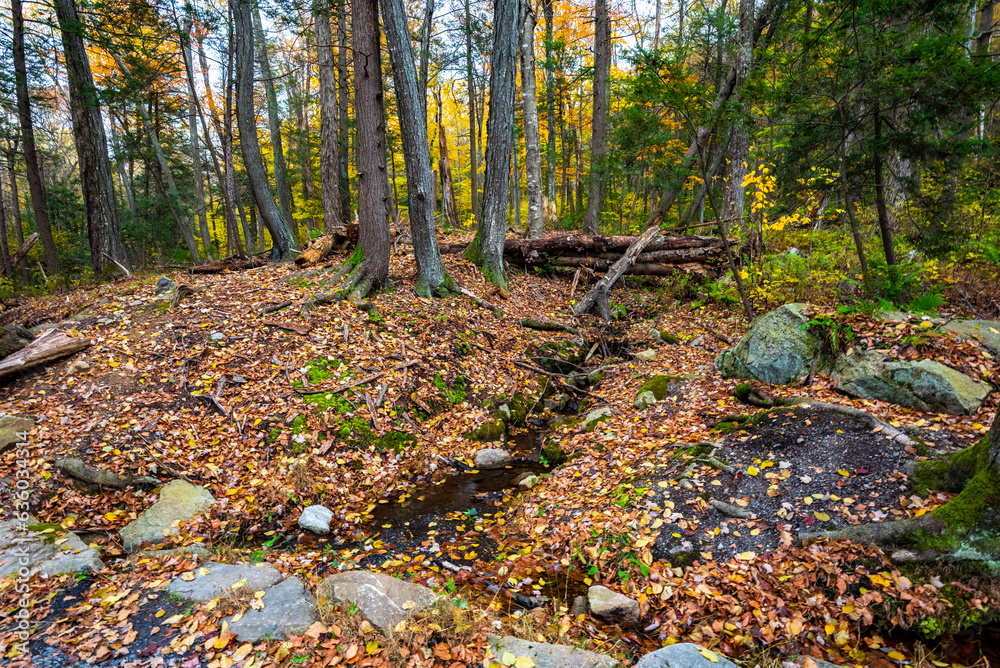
(229, 264)
(50, 346)
(589, 244)
(76, 468)
(316, 251)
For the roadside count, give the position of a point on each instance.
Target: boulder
(655, 389)
(986, 332)
(612, 607)
(12, 429)
(385, 601)
(288, 608)
(644, 400)
(683, 655)
(179, 501)
(214, 579)
(776, 350)
(925, 385)
(493, 458)
(316, 519)
(645, 356)
(46, 551)
(545, 655)
(163, 285)
(595, 417)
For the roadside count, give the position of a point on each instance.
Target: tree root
(881, 534)
(887, 430)
(726, 509)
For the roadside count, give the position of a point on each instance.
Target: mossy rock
(492, 430)
(669, 339)
(552, 453)
(660, 386)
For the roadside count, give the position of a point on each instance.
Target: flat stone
(179, 501)
(645, 356)
(220, 579)
(612, 607)
(199, 551)
(382, 599)
(288, 608)
(316, 519)
(595, 417)
(493, 458)
(47, 553)
(683, 655)
(985, 332)
(545, 655)
(12, 428)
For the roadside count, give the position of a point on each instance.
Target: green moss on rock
(669, 338)
(492, 430)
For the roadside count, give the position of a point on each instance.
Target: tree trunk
(343, 94)
(281, 182)
(15, 210)
(486, 249)
(432, 279)
(739, 147)
(883, 215)
(106, 244)
(257, 175)
(550, 100)
(303, 142)
(448, 207)
(370, 262)
(4, 248)
(425, 53)
(199, 193)
(656, 27)
(329, 154)
(249, 232)
(532, 135)
(473, 151)
(598, 142)
(35, 185)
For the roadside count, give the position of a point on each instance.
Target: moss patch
(455, 393)
(492, 430)
(669, 338)
(659, 386)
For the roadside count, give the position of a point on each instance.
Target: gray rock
(288, 608)
(528, 482)
(12, 429)
(316, 519)
(776, 350)
(164, 284)
(612, 607)
(894, 316)
(986, 332)
(579, 606)
(925, 385)
(217, 336)
(595, 417)
(46, 553)
(645, 400)
(382, 599)
(545, 655)
(199, 551)
(79, 366)
(645, 356)
(682, 655)
(220, 579)
(179, 501)
(493, 458)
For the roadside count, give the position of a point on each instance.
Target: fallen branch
(229, 264)
(76, 468)
(730, 510)
(51, 345)
(23, 250)
(274, 307)
(289, 326)
(546, 326)
(362, 381)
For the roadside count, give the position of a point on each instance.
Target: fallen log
(316, 251)
(50, 346)
(229, 264)
(76, 468)
(639, 268)
(23, 250)
(587, 244)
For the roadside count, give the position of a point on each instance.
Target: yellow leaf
(709, 654)
(159, 613)
(242, 652)
(371, 647)
(822, 517)
(896, 656)
(844, 473)
(223, 638)
(746, 556)
(174, 619)
(524, 662)
(753, 470)
(508, 659)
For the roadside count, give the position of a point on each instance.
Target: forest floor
(628, 508)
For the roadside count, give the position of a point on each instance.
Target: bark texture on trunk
(281, 181)
(329, 151)
(256, 174)
(106, 246)
(199, 193)
(598, 141)
(432, 279)
(548, 8)
(35, 186)
(343, 97)
(425, 53)
(4, 249)
(473, 151)
(486, 249)
(739, 147)
(532, 135)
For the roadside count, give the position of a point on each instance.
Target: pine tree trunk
(281, 181)
(35, 186)
(598, 142)
(304, 143)
(4, 248)
(371, 260)
(473, 152)
(256, 174)
(329, 154)
(343, 95)
(550, 100)
(106, 246)
(532, 135)
(432, 279)
(486, 249)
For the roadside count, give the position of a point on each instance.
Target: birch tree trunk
(105, 237)
(739, 147)
(35, 185)
(486, 248)
(598, 141)
(532, 135)
(281, 182)
(432, 279)
(473, 151)
(329, 154)
(256, 174)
